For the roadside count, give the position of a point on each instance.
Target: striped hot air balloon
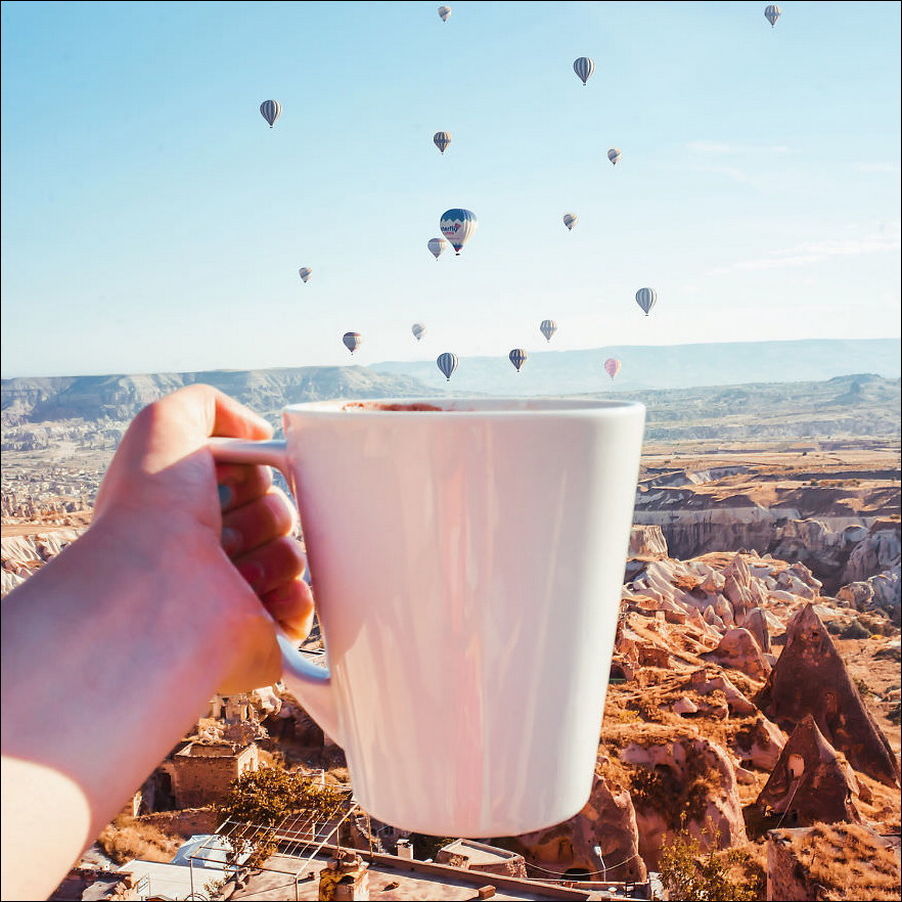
(418, 330)
(444, 12)
(570, 220)
(305, 272)
(583, 67)
(436, 246)
(270, 110)
(646, 298)
(352, 340)
(612, 367)
(458, 226)
(548, 328)
(517, 357)
(447, 363)
(614, 155)
(772, 13)
(441, 140)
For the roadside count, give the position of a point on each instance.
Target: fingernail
(252, 573)
(225, 495)
(230, 540)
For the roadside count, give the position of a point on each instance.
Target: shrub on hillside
(125, 839)
(693, 875)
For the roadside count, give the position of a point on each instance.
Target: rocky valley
(753, 712)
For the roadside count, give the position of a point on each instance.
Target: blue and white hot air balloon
(436, 246)
(548, 328)
(444, 12)
(441, 140)
(518, 357)
(645, 298)
(570, 220)
(614, 155)
(305, 272)
(270, 110)
(583, 67)
(458, 226)
(447, 363)
(351, 340)
(418, 330)
(772, 13)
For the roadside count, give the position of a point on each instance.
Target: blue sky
(152, 221)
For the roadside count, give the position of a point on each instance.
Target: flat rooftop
(478, 853)
(393, 878)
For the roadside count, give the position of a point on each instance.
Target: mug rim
(493, 407)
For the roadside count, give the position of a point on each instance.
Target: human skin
(112, 650)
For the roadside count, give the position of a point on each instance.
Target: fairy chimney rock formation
(607, 821)
(741, 588)
(810, 782)
(756, 624)
(810, 678)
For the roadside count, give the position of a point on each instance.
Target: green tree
(260, 801)
(692, 874)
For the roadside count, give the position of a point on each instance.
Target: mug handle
(311, 684)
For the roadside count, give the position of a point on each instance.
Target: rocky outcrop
(755, 622)
(607, 821)
(20, 556)
(739, 649)
(647, 542)
(810, 783)
(760, 744)
(691, 778)
(811, 679)
(703, 683)
(880, 550)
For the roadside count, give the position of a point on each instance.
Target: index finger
(212, 412)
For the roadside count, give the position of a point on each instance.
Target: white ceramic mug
(467, 565)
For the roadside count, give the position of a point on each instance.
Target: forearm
(136, 636)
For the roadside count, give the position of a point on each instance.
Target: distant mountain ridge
(550, 372)
(120, 397)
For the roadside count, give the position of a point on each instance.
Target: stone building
(202, 772)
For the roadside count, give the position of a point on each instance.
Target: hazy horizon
(479, 372)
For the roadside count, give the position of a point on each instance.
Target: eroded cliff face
(845, 528)
(20, 556)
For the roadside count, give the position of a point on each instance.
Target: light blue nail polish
(225, 495)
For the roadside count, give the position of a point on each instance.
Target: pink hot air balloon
(612, 367)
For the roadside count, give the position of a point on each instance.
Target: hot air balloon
(772, 13)
(548, 328)
(645, 298)
(518, 357)
(444, 12)
(351, 340)
(583, 67)
(441, 140)
(612, 367)
(418, 330)
(270, 110)
(436, 246)
(305, 272)
(447, 363)
(458, 226)
(570, 220)
(614, 155)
